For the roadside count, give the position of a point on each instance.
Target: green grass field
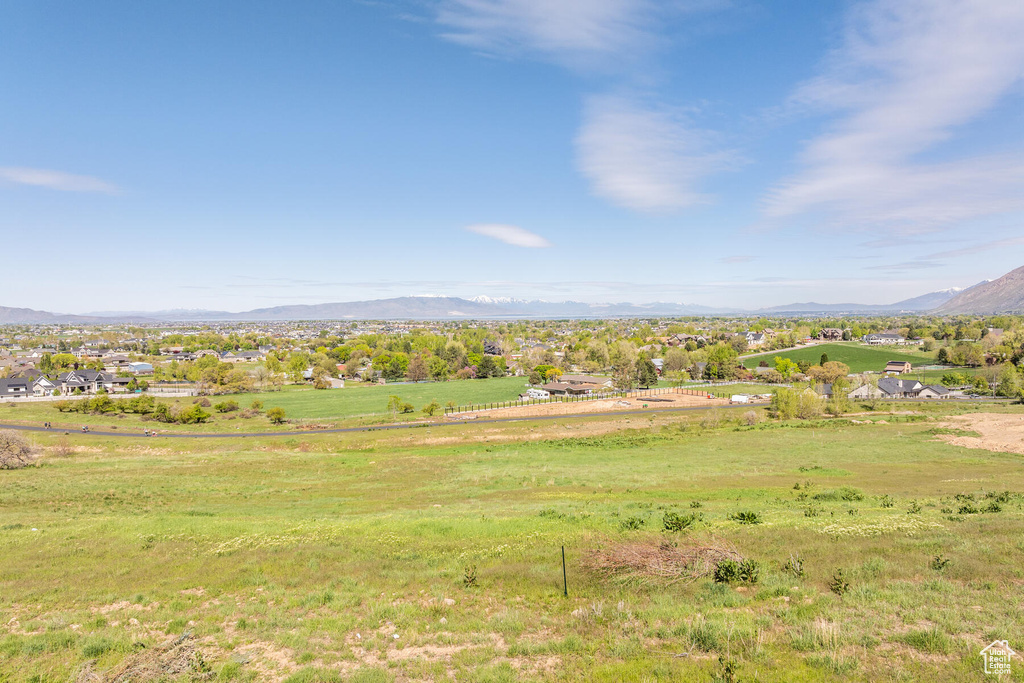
(859, 357)
(327, 558)
(353, 405)
(357, 400)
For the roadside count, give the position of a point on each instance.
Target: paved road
(374, 428)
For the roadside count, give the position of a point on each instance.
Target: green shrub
(469, 579)
(226, 406)
(967, 509)
(749, 571)
(673, 521)
(727, 571)
(746, 517)
(632, 523)
(839, 585)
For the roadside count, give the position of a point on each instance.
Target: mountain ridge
(446, 307)
(1002, 295)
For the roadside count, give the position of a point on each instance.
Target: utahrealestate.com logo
(997, 658)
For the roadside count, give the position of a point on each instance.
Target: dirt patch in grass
(999, 432)
(660, 562)
(596, 406)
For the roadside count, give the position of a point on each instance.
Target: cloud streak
(55, 180)
(571, 32)
(906, 76)
(643, 158)
(510, 234)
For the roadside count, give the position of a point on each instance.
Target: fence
(636, 393)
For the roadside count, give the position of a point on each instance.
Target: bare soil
(1000, 432)
(608, 405)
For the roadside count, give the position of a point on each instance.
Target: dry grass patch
(173, 658)
(662, 562)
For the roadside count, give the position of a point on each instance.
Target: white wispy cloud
(979, 248)
(55, 180)
(565, 31)
(643, 158)
(510, 234)
(905, 78)
(905, 266)
(739, 258)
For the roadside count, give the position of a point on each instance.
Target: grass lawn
(358, 400)
(859, 357)
(355, 404)
(435, 554)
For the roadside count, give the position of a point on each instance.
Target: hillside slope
(1005, 295)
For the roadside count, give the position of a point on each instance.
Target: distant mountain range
(1001, 295)
(1005, 295)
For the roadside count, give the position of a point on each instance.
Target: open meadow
(356, 404)
(859, 357)
(867, 548)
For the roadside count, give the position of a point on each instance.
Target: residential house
(934, 391)
(899, 388)
(682, 339)
(884, 338)
(140, 368)
(115, 363)
(16, 388)
(754, 339)
(43, 386)
(90, 382)
(566, 389)
(603, 382)
(897, 367)
(830, 334)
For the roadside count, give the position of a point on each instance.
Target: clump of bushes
(229, 406)
(746, 517)
(174, 413)
(675, 522)
(15, 451)
(632, 523)
(847, 493)
(102, 404)
(731, 571)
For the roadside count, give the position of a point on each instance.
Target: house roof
(891, 385)
(584, 379)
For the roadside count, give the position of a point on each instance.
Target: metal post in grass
(565, 582)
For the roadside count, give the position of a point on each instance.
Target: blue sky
(235, 155)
